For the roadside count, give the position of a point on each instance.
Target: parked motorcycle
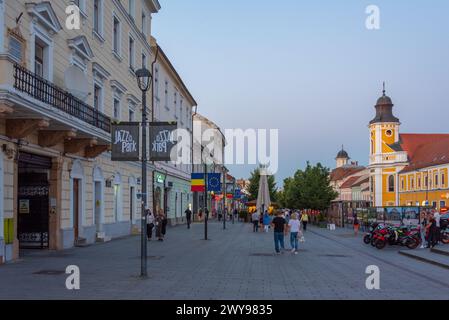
(372, 229)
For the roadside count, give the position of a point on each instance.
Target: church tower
(386, 155)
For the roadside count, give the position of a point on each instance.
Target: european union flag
(214, 182)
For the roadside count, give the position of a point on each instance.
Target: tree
(253, 187)
(309, 189)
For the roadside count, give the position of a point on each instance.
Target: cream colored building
(59, 91)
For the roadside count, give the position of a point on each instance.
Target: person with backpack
(279, 226)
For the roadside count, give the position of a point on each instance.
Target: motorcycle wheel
(367, 239)
(413, 243)
(380, 244)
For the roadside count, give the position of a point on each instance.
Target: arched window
(98, 197)
(118, 205)
(391, 184)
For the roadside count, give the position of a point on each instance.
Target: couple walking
(159, 222)
(281, 229)
(264, 220)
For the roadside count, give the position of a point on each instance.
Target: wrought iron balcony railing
(45, 91)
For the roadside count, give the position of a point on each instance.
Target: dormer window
(45, 15)
(81, 51)
(16, 46)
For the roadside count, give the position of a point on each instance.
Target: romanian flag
(198, 182)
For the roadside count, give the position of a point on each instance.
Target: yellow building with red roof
(406, 169)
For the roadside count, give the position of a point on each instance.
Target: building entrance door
(33, 201)
(98, 203)
(76, 207)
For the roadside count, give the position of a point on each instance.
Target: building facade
(60, 90)
(406, 169)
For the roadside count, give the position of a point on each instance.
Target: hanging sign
(125, 141)
(162, 140)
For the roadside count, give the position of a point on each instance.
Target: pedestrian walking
(294, 226)
(266, 221)
(150, 224)
(220, 215)
(255, 220)
(158, 225)
(279, 224)
(437, 218)
(305, 221)
(188, 213)
(356, 225)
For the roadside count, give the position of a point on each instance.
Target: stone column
(55, 203)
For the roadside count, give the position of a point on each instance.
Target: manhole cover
(261, 255)
(351, 235)
(49, 272)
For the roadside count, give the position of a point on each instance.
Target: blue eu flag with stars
(214, 182)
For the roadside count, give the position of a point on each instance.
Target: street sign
(125, 139)
(162, 140)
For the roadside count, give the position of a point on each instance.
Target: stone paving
(235, 264)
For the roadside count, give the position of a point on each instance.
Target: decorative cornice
(35, 9)
(132, 23)
(118, 87)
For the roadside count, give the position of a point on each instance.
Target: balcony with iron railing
(45, 91)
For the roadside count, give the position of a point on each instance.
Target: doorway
(76, 207)
(98, 203)
(33, 201)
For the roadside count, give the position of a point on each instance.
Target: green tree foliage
(253, 188)
(309, 189)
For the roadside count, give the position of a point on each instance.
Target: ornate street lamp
(144, 80)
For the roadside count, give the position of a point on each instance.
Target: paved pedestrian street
(235, 264)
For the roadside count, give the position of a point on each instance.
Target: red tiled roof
(360, 182)
(348, 183)
(425, 150)
(342, 172)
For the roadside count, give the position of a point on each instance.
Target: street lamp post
(144, 79)
(206, 213)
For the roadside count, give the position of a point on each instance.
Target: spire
(384, 91)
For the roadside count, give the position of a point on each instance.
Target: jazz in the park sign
(163, 138)
(125, 141)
